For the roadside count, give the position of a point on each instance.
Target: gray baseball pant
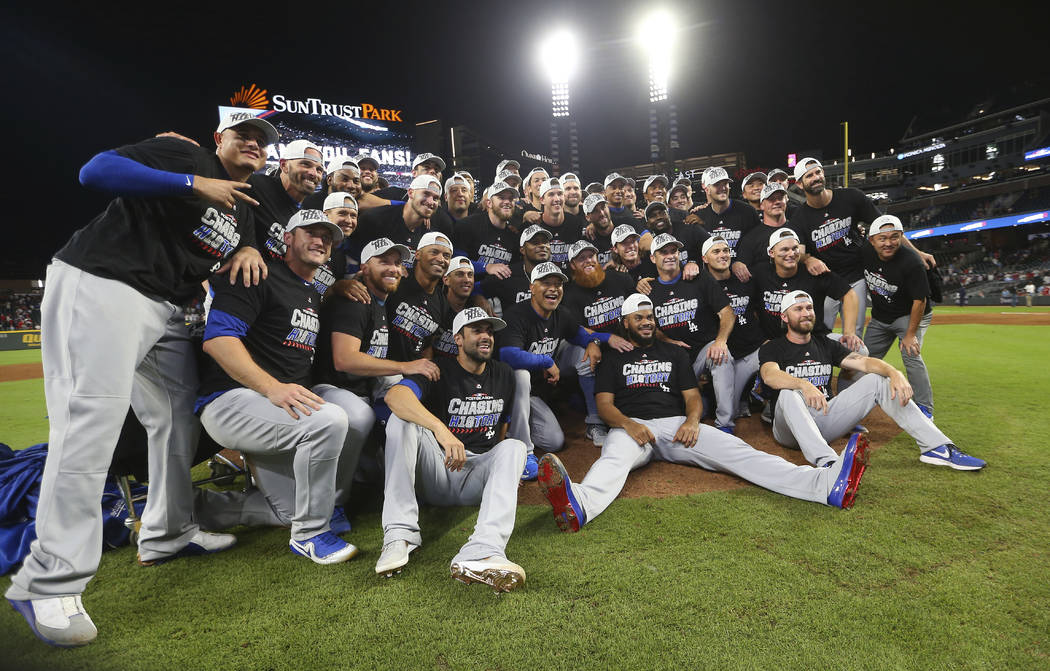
(722, 379)
(295, 460)
(416, 462)
(714, 451)
(795, 424)
(743, 369)
(106, 346)
(832, 307)
(531, 419)
(880, 336)
(571, 356)
(360, 418)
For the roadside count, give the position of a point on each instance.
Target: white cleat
(499, 573)
(393, 558)
(60, 621)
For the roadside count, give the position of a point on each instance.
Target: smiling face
(343, 217)
(656, 193)
(813, 181)
(641, 326)
(476, 341)
(785, 254)
(547, 293)
(537, 250)
(800, 317)
(553, 201)
(774, 205)
(718, 257)
(423, 202)
(667, 260)
(614, 192)
(718, 192)
(383, 273)
(310, 246)
(886, 243)
(627, 250)
(242, 147)
(679, 199)
(433, 261)
(458, 197)
(346, 180)
(501, 205)
(599, 216)
(301, 176)
(585, 263)
(461, 281)
(753, 189)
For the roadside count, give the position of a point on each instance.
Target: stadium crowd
(436, 335)
(20, 311)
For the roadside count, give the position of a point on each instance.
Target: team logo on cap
(622, 232)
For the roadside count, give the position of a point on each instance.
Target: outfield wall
(13, 340)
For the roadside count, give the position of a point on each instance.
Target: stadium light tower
(656, 36)
(559, 55)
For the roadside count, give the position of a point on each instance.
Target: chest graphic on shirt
(739, 305)
(379, 343)
(304, 325)
(771, 300)
(523, 296)
(647, 374)
(415, 322)
(729, 235)
(323, 278)
(275, 246)
(832, 232)
(818, 373)
(445, 344)
(560, 251)
(602, 311)
(545, 344)
(676, 312)
(479, 412)
(493, 253)
(217, 235)
(877, 284)
(604, 257)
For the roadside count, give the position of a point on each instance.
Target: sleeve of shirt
(237, 300)
(867, 209)
(348, 317)
(918, 282)
(713, 293)
(164, 153)
(605, 375)
(419, 384)
(769, 352)
(833, 285)
(683, 370)
(222, 324)
(111, 172)
(837, 350)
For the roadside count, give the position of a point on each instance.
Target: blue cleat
(926, 411)
(726, 429)
(339, 524)
(532, 468)
(950, 455)
(324, 548)
(557, 487)
(852, 464)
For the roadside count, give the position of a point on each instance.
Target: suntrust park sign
(318, 106)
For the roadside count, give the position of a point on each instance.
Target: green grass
(930, 569)
(23, 414)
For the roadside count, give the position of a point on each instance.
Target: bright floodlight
(558, 54)
(656, 35)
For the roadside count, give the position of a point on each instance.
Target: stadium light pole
(656, 34)
(559, 55)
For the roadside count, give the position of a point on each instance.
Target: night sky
(759, 77)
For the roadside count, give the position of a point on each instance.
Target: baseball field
(932, 568)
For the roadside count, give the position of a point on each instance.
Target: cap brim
(560, 274)
(272, 136)
(497, 323)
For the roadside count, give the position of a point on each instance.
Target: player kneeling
(450, 433)
(650, 398)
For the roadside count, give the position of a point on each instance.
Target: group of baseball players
(437, 332)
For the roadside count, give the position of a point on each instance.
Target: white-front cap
(770, 188)
(500, 187)
(507, 175)
(662, 240)
(634, 303)
(428, 182)
(426, 156)
(578, 247)
(792, 298)
(454, 180)
(592, 201)
(881, 222)
(434, 238)
(531, 232)
(755, 175)
(653, 179)
(502, 165)
(546, 269)
(458, 263)
(473, 316)
(774, 172)
(780, 235)
(548, 185)
(711, 242)
(570, 177)
(622, 232)
(381, 246)
(304, 218)
(683, 181)
(612, 177)
(297, 149)
(338, 199)
(236, 118)
(804, 166)
(714, 176)
(528, 177)
(343, 163)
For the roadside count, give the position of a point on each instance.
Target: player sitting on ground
(650, 398)
(808, 417)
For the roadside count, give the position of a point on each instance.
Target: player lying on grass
(650, 398)
(808, 417)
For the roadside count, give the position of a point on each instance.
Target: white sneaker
(597, 433)
(60, 621)
(394, 557)
(499, 573)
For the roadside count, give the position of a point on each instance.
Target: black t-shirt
(770, 290)
(388, 222)
(622, 216)
(746, 335)
(811, 361)
(393, 193)
(364, 321)
(895, 284)
(605, 247)
(481, 241)
(315, 201)
(599, 308)
(569, 232)
(414, 316)
(647, 383)
(752, 248)
(472, 406)
(272, 213)
(517, 220)
(164, 246)
(282, 318)
(732, 224)
(530, 332)
(836, 233)
(505, 293)
(687, 310)
(692, 237)
(333, 269)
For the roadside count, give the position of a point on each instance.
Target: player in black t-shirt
(506, 292)
(658, 220)
(832, 223)
(450, 436)
(726, 217)
(573, 193)
(281, 195)
(593, 298)
(615, 186)
(627, 254)
(746, 336)
(649, 396)
(751, 250)
(596, 213)
(486, 237)
(418, 309)
(179, 213)
(423, 164)
(751, 189)
(460, 294)
(564, 229)
(405, 224)
(255, 397)
(799, 367)
(900, 309)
